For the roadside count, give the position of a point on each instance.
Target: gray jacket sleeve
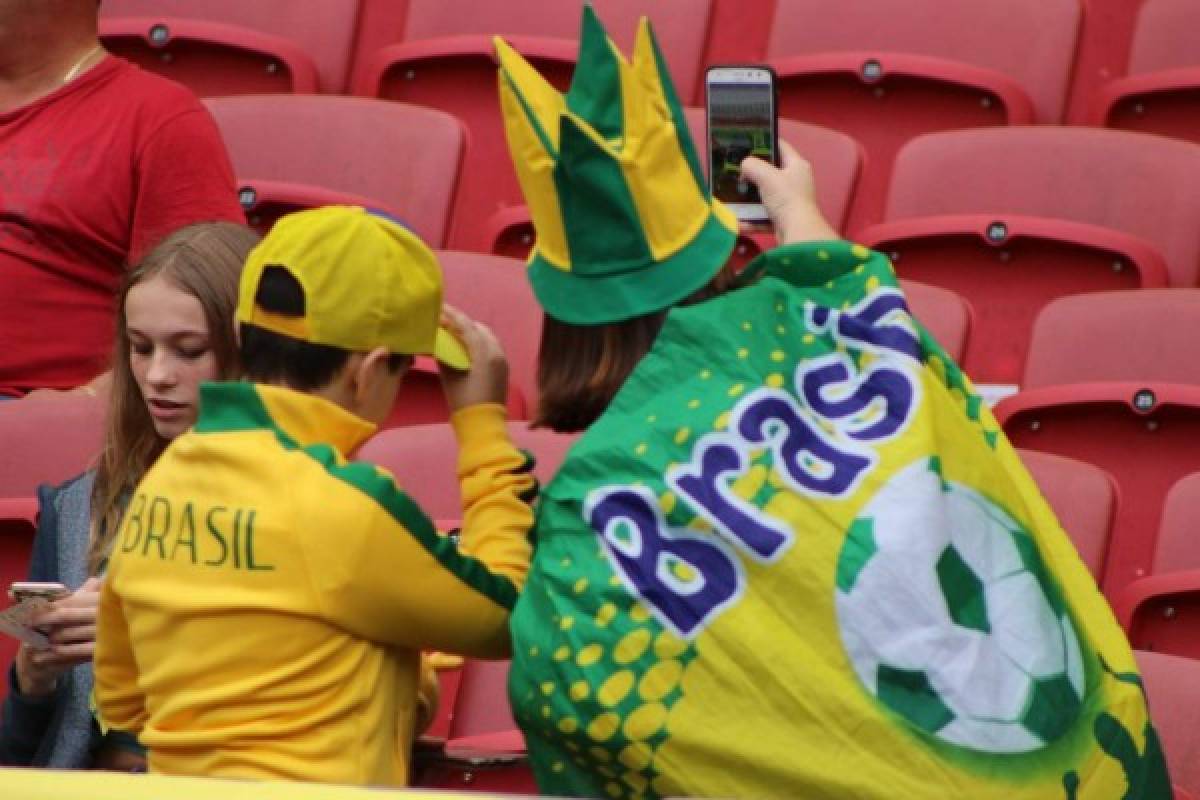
(26, 721)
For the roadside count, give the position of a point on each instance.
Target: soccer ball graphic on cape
(949, 621)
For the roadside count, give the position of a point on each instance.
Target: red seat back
(738, 33)
(885, 71)
(944, 314)
(485, 747)
(445, 60)
(224, 47)
(482, 705)
(424, 461)
(292, 152)
(1179, 535)
(18, 524)
(680, 26)
(1013, 218)
(422, 401)
(1084, 498)
(1171, 683)
(1164, 36)
(1162, 612)
(1103, 51)
(47, 439)
(1161, 92)
(1144, 334)
(1146, 435)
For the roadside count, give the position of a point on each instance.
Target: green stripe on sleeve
(382, 489)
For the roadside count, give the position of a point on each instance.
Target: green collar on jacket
(300, 418)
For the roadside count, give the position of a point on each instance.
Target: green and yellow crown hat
(625, 222)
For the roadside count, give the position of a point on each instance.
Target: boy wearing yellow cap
(267, 600)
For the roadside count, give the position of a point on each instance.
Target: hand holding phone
(790, 196)
(57, 628)
(742, 121)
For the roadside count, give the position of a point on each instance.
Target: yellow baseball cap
(368, 282)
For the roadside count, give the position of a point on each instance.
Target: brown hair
(582, 367)
(205, 260)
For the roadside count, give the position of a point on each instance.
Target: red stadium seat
(1084, 498)
(1178, 543)
(380, 23)
(1145, 434)
(943, 313)
(885, 71)
(1142, 334)
(1140, 428)
(223, 47)
(738, 33)
(422, 401)
(1161, 92)
(1162, 611)
(292, 152)
(424, 459)
(448, 683)
(445, 60)
(1170, 683)
(47, 439)
(835, 157)
(1012, 218)
(1103, 51)
(484, 751)
(18, 523)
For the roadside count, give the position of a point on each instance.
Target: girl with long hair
(174, 331)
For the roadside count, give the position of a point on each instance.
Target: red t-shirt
(92, 176)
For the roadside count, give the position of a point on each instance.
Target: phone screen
(741, 123)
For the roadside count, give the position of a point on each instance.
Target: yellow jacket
(267, 601)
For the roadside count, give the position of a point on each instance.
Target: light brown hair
(204, 260)
(582, 367)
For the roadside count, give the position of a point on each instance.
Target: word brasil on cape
(812, 462)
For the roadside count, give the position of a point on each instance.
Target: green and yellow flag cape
(798, 558)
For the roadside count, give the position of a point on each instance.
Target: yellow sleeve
(387, 575)
(119, 701)
(497, 487)
(428, 696)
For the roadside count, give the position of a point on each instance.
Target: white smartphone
(25, 590)
(742, 121)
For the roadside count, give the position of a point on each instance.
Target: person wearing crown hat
(267, 600)
(792, 554)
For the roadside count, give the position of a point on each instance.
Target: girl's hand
(70, 624)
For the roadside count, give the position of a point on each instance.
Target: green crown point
(595, 93)
(603, 228)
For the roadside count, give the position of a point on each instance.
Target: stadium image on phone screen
(740, 125)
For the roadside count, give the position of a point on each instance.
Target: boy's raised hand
(486, 380)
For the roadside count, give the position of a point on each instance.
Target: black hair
(269, 357)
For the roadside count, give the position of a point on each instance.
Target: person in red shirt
(98, 162)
